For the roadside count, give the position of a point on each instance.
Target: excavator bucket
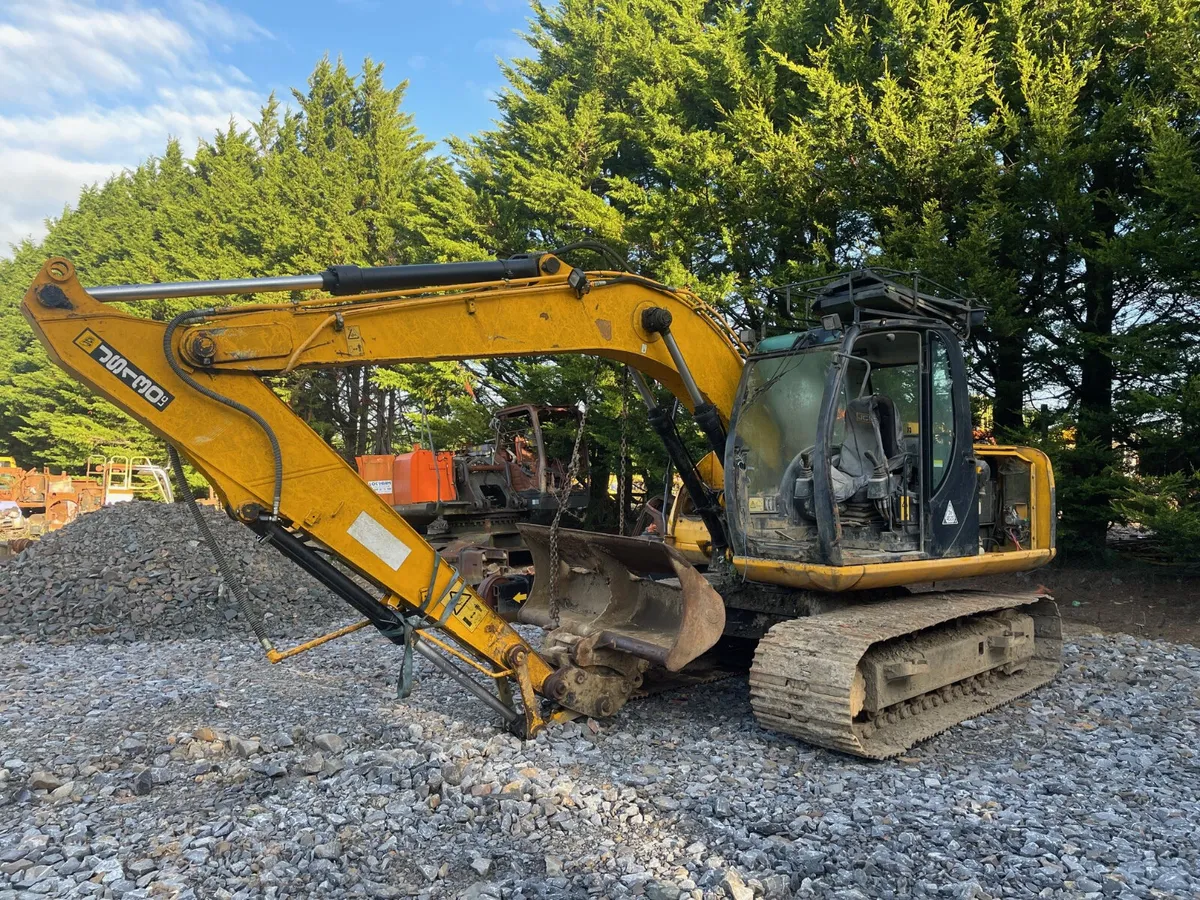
(632, 595)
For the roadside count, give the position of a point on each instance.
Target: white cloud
(214, 19)
(39, 184)
(505, 48)
(55, 48)
(90, 89)
(93, 132)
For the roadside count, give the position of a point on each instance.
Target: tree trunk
(1008, 373)
(1094, 442)
(349, 381)
(599, 509)
(388, 421)
(627, 495)
(363, 385)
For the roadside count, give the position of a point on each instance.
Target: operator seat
(872, 439)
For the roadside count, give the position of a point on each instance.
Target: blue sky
(94, 86)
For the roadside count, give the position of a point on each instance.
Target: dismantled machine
(469, 505)
(849, 479)
(33, 503)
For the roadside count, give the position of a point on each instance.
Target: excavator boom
(197, 382)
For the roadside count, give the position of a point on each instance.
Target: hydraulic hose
(169, 352)
(612, 255)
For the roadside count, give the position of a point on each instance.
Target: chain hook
(564, 493)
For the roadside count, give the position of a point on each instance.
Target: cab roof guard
(866, 294)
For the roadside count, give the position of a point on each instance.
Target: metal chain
(564, 495)
(624, 451)
(228, 580)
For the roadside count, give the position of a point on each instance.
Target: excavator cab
(533, 446)
(895, 428)
(852, 443)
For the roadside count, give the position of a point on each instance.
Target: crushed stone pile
(139, 571)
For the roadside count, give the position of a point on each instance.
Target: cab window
(941, 409)
(895, 373)
(899, 383)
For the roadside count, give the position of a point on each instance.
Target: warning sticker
(950, 518)
(470, 611)
(762, 504)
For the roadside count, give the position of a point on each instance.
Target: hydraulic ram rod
(167, 290)
(341, 280)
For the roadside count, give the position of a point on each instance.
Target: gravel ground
(139, 571)
(192, 768)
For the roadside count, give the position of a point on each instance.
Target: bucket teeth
(630, 595)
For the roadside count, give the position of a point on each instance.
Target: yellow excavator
(844, 476)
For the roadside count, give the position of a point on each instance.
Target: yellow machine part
(542, 318)
(214, 406)
(685, 529)
(809, 576)
(120, 357)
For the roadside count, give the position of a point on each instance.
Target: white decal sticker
(380, 487)
(949, 518)
(385, 545)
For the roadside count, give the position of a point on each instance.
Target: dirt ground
(1132, 599)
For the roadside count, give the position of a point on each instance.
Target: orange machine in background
(419, 478)
(469, 503)
(33, 503)
(377, 471)
(10, 479)
(408, 478)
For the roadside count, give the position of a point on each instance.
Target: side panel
(883, 575)
(1044, 512)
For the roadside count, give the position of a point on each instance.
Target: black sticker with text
(152, 392)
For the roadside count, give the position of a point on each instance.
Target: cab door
(951, 511)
